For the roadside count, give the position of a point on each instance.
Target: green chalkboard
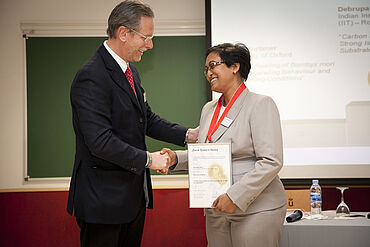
(171, 75)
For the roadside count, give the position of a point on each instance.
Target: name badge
(226, 122)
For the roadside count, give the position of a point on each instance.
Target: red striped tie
(130, 78)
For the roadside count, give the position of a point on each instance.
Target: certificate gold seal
(216, 172)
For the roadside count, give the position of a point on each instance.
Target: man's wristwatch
(187, 135)
(149, 162)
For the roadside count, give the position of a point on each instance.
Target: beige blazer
(257, 151)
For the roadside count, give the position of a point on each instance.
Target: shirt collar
(118, 59)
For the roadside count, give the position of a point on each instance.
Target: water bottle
(315, 193)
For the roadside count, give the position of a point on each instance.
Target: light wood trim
(98, 29)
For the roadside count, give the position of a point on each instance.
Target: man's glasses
(211, 66)
(146, 38)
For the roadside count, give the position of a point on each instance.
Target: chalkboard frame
(201, 100)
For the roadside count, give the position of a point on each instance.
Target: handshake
(165, 158)
(162, 160)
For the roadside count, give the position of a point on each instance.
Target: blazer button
(133, 169)
(141, 120)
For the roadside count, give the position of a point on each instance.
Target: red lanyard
(214, 126)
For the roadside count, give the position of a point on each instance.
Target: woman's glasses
(211, 66)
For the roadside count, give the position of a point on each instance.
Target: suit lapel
(118, 76)
(139, 92)
(232, 114)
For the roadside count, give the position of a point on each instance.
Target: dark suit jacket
(110, 125)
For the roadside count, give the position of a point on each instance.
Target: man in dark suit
(111, 186)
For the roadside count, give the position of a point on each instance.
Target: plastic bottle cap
(315, 181)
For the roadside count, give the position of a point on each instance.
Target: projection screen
(313, 59)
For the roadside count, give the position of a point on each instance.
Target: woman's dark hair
(232, 54)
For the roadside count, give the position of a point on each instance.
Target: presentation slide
(313, 59)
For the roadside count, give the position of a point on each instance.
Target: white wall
(12, 68)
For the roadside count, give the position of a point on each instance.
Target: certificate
(209, 172)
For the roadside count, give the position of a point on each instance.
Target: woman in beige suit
(252, 211)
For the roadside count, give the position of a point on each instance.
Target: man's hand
(173, 159)
(223, 203)
(193, 135)
(160, 161)
(171, 154)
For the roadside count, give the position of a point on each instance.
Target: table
(352, 232)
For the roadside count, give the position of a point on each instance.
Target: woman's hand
(223, 203)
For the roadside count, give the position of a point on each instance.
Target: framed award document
(210, 172)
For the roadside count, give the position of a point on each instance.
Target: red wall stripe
(37, 219)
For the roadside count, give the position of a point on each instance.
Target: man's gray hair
(127, 13)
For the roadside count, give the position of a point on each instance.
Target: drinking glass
(342, 209)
